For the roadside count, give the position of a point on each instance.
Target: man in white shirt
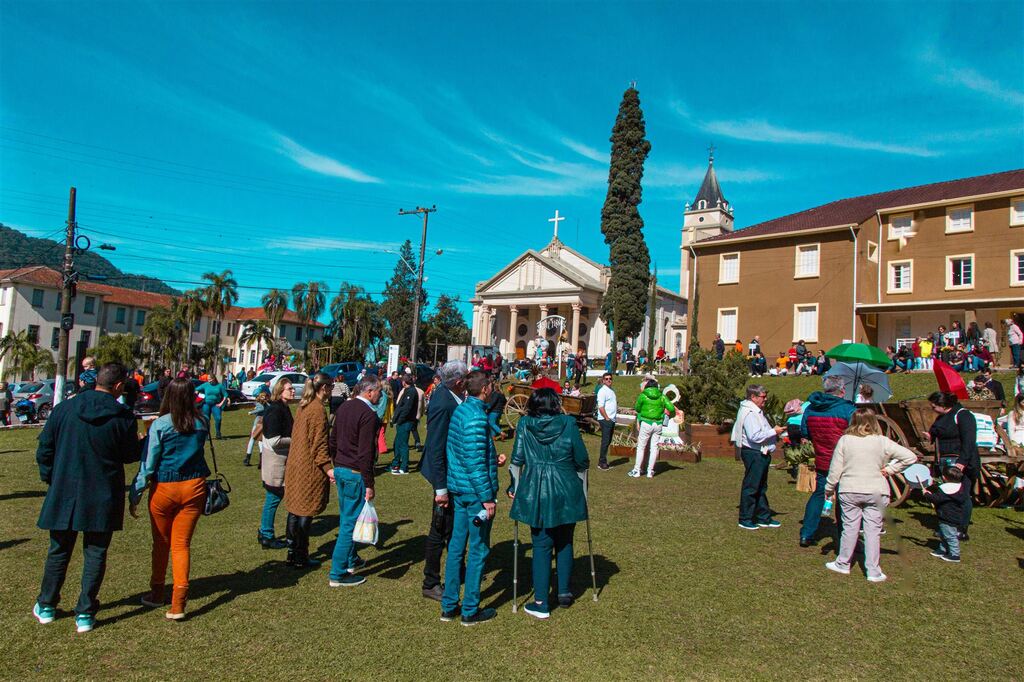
(607, 408)
(755, 438)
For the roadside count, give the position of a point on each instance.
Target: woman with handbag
(955, 435)
(175, 464)
(277, 439)
(309, 470)
(549, 494)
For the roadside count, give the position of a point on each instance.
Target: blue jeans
(351, 498)
(1015, 354)
(546, 540)
(477, 539)
(812, 512)
(401, 446)
(949, 539)
(212, 412)
(753, 494)
(270, 504)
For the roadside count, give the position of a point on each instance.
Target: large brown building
(877, 269)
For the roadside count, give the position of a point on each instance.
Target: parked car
(40, 393)
(347, 371)
(271, 378)
(148, 403)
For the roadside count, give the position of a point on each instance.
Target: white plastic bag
(365, 531)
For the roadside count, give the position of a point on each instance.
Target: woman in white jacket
(862, 461)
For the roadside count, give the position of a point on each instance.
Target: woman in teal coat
(550, 456)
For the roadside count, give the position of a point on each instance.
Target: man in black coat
(81, 455)
(404, 420)
(434, 467)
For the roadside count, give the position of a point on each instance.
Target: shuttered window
(807, 260)
(805, 322)
(727, 323)
(729, 268)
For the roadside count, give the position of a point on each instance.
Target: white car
(298, 380)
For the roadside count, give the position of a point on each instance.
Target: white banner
(392, 359)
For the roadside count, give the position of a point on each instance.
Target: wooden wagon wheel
(899, 489)
(514, 409)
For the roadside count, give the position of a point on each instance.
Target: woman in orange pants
(175, 469)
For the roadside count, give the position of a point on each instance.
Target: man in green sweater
(651, 408)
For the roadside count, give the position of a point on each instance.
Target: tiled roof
(256, 313)
(858, 209)
(46, 277)
(132, 297)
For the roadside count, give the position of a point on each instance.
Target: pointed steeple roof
(710, 192)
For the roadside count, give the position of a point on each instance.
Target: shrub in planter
(712, 387)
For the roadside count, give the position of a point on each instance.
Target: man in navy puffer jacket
(473, 487)
(824, 422)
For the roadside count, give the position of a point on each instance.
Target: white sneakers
(633, 473)
(880, 578)
(833, 566)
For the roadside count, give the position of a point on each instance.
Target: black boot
(247, 461)
(270, 543)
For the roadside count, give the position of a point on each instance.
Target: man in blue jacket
(434, 466)
(473, 486)
(81, 455)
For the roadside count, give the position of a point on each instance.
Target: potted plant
(709, 398)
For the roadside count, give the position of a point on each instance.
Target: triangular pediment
(533, 271)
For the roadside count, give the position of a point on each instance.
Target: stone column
(474, 335)
(513, 334)
(575, 335)
(485, 326)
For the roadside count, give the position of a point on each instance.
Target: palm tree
(309, 299)
(160, 333)
(353, 321)
(275, 305)
(189, 309)
(26, 358)
(219, 296)
(258, 331)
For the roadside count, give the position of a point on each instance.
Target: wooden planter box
(663, 453)
(713, 442)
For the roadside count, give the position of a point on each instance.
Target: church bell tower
(708, 215)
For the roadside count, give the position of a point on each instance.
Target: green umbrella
(860, 352)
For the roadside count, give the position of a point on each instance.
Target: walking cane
(590, 543)
(514, 472)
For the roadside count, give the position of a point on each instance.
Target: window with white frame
(727, 323)
(805, 322)
(960, 271)
(1017, 211)
(901, 225)
(901, 277)
(807, 260)
(959, 219)
(729, 268)
(1017, 268)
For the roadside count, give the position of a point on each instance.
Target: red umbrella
(545, 382)
(949, 380)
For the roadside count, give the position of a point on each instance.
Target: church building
(560, 281)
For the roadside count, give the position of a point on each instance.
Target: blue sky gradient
(280, 139)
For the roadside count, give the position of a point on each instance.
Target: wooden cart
(582, 407)
(906, 421)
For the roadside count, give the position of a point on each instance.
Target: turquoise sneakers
(84, 622)
(44, 614)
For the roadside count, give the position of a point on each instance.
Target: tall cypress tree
(625, 301)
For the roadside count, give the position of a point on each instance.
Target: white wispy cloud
(318, 163)
(682, 175)
(333, 244)
(949, 73)
(758, 130)
(522, 185)
(585, 150)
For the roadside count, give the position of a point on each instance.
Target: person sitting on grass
(781, 367)
(822, 364)
(950, 499)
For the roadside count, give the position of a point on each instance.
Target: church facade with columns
(560, 281)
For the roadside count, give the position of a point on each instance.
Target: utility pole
(67, 320)
(419, 278)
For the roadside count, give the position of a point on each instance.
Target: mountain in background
(18, 250)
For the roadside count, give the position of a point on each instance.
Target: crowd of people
(335, 436)
(853, 459)
(89, 439)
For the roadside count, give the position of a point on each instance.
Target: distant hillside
(18, 250)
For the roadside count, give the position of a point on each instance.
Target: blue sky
(280, 139)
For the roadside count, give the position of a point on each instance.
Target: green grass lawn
(684, 594)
